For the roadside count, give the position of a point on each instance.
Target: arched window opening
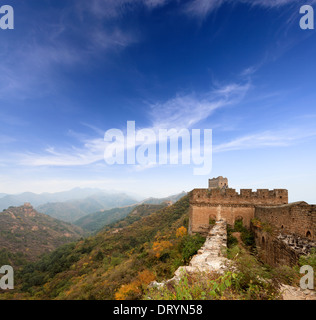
(263, 241)
(239, 223)
(212, 220)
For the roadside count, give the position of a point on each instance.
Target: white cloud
(155, 3)
(112, 9)
(91, 151)
(28, 65)
(273, 3)
(201, 8)
(116, 39)
(265, 139)
(181, 112)
(184, 111)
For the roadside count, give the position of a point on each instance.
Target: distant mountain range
(98, 220)
(77, 203)
(69, 205)
(173, 199)
(7, 200)
(95, 221)
(25, 234)
(75, 209)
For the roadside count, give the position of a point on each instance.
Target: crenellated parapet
(245, 197)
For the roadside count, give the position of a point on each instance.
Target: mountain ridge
(36, 199)
(73, 210)
(97, 220)
(26, 234)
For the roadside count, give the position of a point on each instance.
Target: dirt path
(292, 293)
(237, 235)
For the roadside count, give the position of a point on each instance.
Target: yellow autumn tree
(145, 277)
(128, 291)
(160, 246)
(135, 288)
(181, 232)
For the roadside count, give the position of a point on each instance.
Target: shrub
(160, 246)
(200, 286)
(181, 232)
(190, 245)
(231, 240)
(135, 289)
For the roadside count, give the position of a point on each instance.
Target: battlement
(245, 197)
(293, 226)
(218, 202)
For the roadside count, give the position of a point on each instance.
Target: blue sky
(70, 70)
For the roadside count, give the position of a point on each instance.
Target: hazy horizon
(141, 197)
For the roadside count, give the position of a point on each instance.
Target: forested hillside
(117, 262)
(25, 234)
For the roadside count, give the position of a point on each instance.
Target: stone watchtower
(221, 202)
(219, 182)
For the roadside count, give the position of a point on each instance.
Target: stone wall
(200, 215)
(211, 257)
(274, 251)
(246, 196)
(280, 249)
(292, 232)
(216, 204)
(296, 218)
(218, 182)
(285, 232)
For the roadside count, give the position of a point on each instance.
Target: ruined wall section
(280, 249)
(274, 251)
(284, 233)
(297, 218)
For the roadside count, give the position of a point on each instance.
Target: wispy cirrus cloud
(113, 9)
(34, 60)
(92, 150)
(266, 139)
(201, 8)
(275, 3)
(184, 111)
